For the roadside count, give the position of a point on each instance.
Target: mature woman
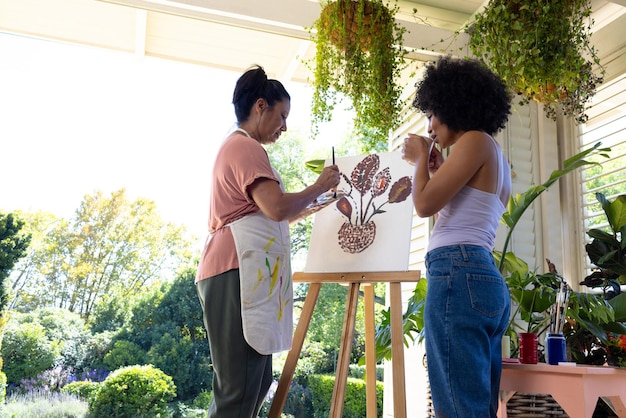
(244, 276)
(467, 303)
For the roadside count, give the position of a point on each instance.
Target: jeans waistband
(465, 251)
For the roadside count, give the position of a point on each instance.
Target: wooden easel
(353, 280)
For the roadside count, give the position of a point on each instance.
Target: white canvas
(369, 229)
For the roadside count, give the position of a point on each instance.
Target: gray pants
(241, 376)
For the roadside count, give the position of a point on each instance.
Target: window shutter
(516, 141)
(416, 123)
(606, 124)
(529, 142)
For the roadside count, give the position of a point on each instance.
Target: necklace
(243, 131)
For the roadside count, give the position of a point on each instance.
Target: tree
(13, 246)
(41, 227)
(111, 243)
(166, 330)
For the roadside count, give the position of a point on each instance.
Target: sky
(77, 119)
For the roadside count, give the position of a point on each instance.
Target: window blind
(606, 124)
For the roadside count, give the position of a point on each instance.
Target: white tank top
(472, 216)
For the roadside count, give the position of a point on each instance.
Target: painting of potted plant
(364, 199)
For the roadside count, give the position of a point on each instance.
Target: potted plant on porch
(359, 55)
(542, 50)
(591, 343)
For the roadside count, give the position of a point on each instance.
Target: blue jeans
(466, 314)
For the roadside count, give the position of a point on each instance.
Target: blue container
(555, 348)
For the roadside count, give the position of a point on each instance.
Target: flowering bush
(616, 350)
(51, 380)
(95, 375)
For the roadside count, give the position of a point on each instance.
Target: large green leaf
(511, 263)
(315, 165)
(615, 211)
(619, 307)
(519, 203)
(412, 322)
(533, 300)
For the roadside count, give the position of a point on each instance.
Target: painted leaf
(345, 207)
(400, 190)
(382, 180)
(363, 174)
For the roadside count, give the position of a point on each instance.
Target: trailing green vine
(542, 50)
(359, 56)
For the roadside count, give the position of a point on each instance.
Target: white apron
(263, 250)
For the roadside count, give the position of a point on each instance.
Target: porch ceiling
(235, 34)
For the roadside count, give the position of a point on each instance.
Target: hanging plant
(359, 56)
(542, 51)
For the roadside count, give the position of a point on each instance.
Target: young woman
(244, 276)
(467, 303)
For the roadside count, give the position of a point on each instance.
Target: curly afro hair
(464, 95)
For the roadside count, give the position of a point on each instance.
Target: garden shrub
(322, 386)
(124, 353)
(3, 387)
(42, 339)
(299, 401)
(182, 410)
(27, 351)
(68, 330)
(133, 392)
(98, 346)
(203, 400)
(358, 372)
(84, 389)
(167, 331)
(315, 358)
(177, 355)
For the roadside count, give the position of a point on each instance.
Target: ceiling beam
(291, 18)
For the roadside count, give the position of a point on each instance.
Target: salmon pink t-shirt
(239, 162)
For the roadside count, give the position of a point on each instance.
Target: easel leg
(616, 403)
(278, 403)
(370, 352)
(397, 350)
(343, 363)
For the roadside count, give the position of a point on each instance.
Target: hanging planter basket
(359, 57)
(359, 23)
(542, 50)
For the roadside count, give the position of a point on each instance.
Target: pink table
(576, 388)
